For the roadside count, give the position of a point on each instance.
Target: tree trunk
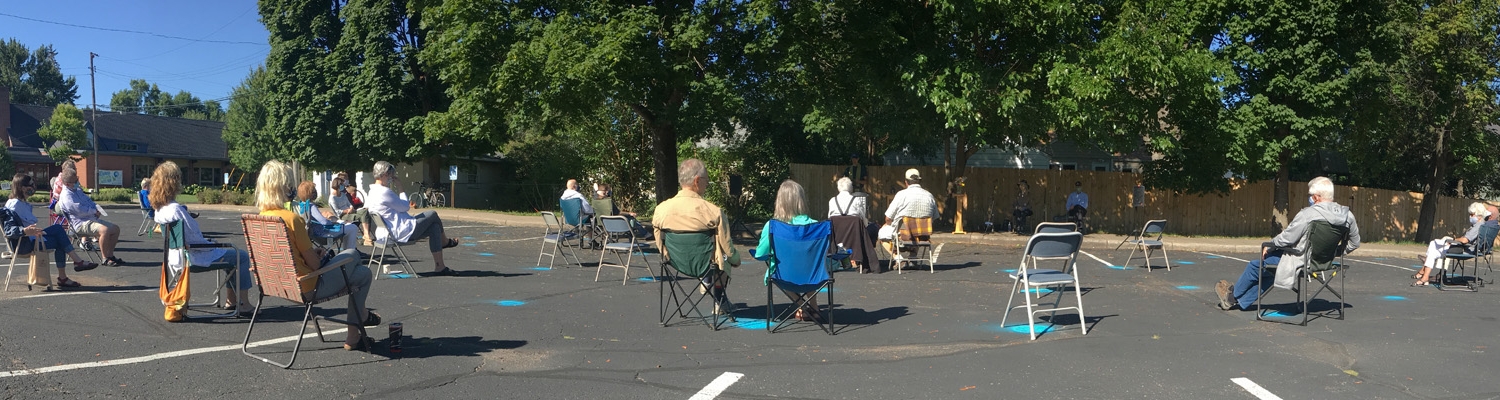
(1279, 215)
(664, 151)
(1434, 190)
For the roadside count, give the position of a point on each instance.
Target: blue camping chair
(148, 215)
(576, 222)
(802, 255)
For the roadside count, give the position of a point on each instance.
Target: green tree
(7, 164)
(34, 76)
(250, 144)
(141, 98)
(66, 130)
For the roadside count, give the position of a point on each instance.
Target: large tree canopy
(34, 76)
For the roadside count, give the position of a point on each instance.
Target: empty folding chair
(1145, 244)
(801, 255)
(175, 256)
(555, 236)
(271, 260)
(689, 271)
(1056, 227)
(1321, 262)
(387, 244)
(1029, 277)
(619, 238)
(914, 236)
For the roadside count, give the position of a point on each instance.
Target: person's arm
(1293, 232)
(1083, 200)
(763, 249)
(1353, 236)
(726, 246)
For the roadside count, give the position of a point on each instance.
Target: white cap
(911, 173)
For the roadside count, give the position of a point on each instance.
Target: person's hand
(32, 230)
(1264, 251)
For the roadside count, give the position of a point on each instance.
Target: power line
(216, 31)
(130, 31)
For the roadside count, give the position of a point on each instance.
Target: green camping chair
(688, 270)
(174, 244)
(1324, 259)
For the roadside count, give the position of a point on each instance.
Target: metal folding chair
(1323, 260)
(1468, 256)
(914, 235)
(1030, 278)
(148, 215)
(1056, 227)
(689, 275)
(388, 245)
(557, 237)
(619, 238)
(271, 260)
(1145, 245)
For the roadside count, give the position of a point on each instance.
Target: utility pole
(94, 115)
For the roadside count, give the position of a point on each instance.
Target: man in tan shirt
(688, 211)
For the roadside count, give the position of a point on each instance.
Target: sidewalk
(1097, 241)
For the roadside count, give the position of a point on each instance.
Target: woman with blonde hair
(791, 208)
(272, 189)
(165, 183)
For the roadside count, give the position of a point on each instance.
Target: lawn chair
(89, 249)
(16, 239)
(914, 235)
(801, 254)
(148, 217)
(555, 235)
(1322, 261)
(271, 259)
(689, 268)
(616, 232)
(388, 245)
(1461, 256)
(175, 252)
(1028, 277)
(1145, 245)
(575, 221)
(1056, 227)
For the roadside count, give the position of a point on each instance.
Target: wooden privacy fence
(1247, 210)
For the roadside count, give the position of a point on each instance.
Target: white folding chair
(1145, 245)
(616, 231)
(387, 245)
(555, 235)
(1061, 247)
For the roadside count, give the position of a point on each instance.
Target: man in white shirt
(387, 205)
(914, 201)
(846, 203)
(572, 193)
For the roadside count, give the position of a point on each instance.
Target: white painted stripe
(508, 240)
(1100, 260)
(470, 226)
(1255, 389)
(158, 356)
(1376, 263)
(1217, 255)
(89, 292)
(717, 386)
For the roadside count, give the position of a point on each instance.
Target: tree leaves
(66, 130)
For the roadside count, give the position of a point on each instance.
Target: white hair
(690, 169)
(383, 168)
(845, 184)
(1478, 209)
(1321, 187)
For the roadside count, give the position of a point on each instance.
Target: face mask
(1310, 200)
(1473, 220)
(1078, 189)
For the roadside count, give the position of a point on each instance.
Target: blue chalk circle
(486, 254)
(1009, 271)
(488, 233)
(1187, 287)
(469, 245)
(541, 268)
(1276, 314)
(1185, 262)
(1120, 267)
(1394, 298)
(510, 303)
(398, 276)
(1212, 257)
(1041, 327)
(468, 237)
(1039, 290)
(750, 323)
(647, 279)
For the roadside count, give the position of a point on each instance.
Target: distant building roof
(131, 134)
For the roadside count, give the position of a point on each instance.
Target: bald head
(572, 184)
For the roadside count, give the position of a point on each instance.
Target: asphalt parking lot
(508, 328)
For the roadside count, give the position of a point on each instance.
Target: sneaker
(1225, 289)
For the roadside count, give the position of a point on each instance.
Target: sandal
(65, 282)
(444, 272)
(84, 266)
(114, 261)
(451, 243)
(373, 319)
(1419, 283)
(364, 344)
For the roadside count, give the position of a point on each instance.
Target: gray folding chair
(388, 245)
(914, 235)
(1056, 227)
(619, 238)
(1145, 244)
(1061, 247)
(558, 238)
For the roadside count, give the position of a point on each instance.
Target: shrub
(193, 189)
(35, 198)
(115, 195)
(238, 198)
(211, 196)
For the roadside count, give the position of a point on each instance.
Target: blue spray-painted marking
(1394, 298)
(468, 238)
(1009, 271)
(825, 290)
(488, 233)
(1212, 257)
(1039, 290)
(1120, 267)
(1187, 287)
(398, 276)
(647, 279)
(1041, 327)
(541, 268)
(750, 323)
(510, 303)
(1276, 314)
(1379, 258)
(486, 254)
(1185, 262)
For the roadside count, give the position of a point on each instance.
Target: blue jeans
(1252, 282)
(55, 238)
(232, 255)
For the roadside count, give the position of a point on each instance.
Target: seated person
(1291, 240)
(791, 208)
(603, 196)
(167, 183)
(271, 190)
(914, 201)
(83, 215)
(689, 212)
(145, 193)
(390, 207)
(53, 236)
(1021, 207)
(351, 206)
(318, 222)
(572, 193)
(1434, 258)
(846, 203)
(1078, 203)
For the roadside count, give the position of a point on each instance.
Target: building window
(1100, 168)
(126, 147)
(208, 176)
(1069, 167)
(140, 172)
(472, 175)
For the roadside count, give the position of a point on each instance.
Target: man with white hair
(1293, 242)
(846, 203)
(689, 212)
(387, 203)
(914, 201)
(572, 193)
(1438, 248)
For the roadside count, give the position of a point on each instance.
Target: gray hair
(845, 184)
(790, 201)
(1321, 186)
(690, 169)
(383, 168)
(1478, 209)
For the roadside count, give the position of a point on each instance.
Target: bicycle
(427, 197)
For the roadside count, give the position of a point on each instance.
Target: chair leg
(1133, 249)
(1083, 323)
(245, 346)
(600, 266)
(1009, 300)
(1165, 258)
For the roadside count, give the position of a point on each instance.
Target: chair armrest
(333, 263)
(214, 245)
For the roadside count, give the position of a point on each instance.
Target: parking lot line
(85, 292)
(1388, 265)
(1255, 389)
(159, 356)
(717, 386)
(1224, 256)
(1100, 260)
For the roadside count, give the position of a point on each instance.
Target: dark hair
(16, 183)
(1077, 183)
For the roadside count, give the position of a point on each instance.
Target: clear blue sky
(205, 69)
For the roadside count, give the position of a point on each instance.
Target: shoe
(372, 320)
(84, 266)
(114, 261)
(1225, 289)
(444, 272)
(67, 283)
(364, 344)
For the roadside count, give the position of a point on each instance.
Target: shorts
(887, 232)
(95, 227)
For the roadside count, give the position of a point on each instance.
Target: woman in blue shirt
(791, 208)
